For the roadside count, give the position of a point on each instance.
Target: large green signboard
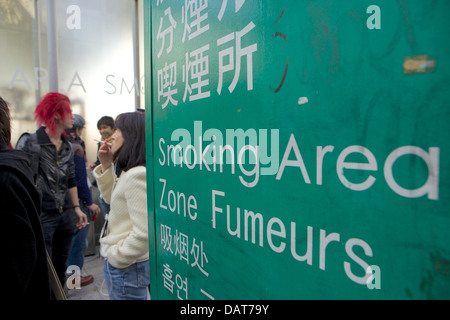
(298, 149)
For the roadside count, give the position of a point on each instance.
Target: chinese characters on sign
(181, 244)
(196, 69)
(194, 256)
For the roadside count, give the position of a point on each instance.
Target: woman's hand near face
(105, 156)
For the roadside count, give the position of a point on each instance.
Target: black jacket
(56, 170)
(24, 261)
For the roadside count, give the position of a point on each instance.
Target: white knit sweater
(126, 241)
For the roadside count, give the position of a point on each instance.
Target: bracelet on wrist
(77, 205)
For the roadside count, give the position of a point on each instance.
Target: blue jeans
(79, 241)
(130, 283)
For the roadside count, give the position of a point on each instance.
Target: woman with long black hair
(121, 178)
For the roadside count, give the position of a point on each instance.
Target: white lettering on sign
(235, 59)
(167, 79)
(181, 282)
(431, 159)
(275, 235)
(347, 266)
(162, 34)
(196, 67)
(292, 145)
(257, 153)
(238, 5)
(176, 202)
(186, 248)
(210, 152)
(194, 9)
(371, 166)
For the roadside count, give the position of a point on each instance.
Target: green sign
(298, 149)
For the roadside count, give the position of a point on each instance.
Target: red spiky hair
(49, 106)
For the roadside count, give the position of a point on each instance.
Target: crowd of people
(48, 206)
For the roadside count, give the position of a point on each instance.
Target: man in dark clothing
(24, 262)
(56, 179)
(79, 241)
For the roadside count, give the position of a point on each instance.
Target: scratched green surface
(358, 94)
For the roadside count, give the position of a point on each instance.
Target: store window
(95, 61)
(17, 64)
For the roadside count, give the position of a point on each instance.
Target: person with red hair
(55, 176)
(55, 107)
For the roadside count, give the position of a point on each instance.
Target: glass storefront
(90, 50)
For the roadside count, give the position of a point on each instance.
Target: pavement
(93, 264)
